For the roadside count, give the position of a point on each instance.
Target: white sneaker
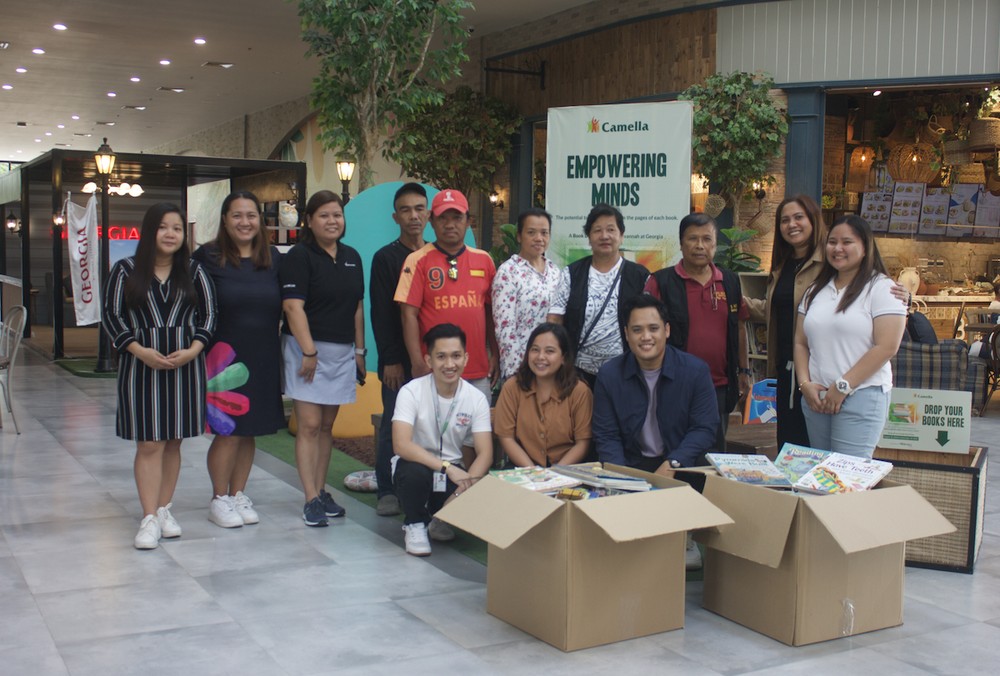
(416, 540)
(692, 555)
(148, 536)
(440, 531)
(244, 507)
(222, 512)
(169, 528)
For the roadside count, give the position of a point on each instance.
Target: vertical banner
(81, 231)
(634, 156)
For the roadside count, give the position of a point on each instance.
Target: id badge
(440, 482)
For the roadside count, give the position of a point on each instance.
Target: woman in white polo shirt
(849, 326)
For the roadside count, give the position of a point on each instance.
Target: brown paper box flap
(658, 512)
(763, 518)
(869, 519)
(497, 511)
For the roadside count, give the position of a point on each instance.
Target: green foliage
(459, 142)
(728, 254)
(538, 184)
(738, 130)
(507, 246)
(378, 59)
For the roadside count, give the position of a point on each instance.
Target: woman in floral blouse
(522, 288)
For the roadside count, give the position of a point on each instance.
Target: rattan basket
(956, 151)
(911, 163)
(974, 172)
(984, 133)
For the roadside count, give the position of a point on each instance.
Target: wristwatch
(444, 466)
(362, 352)
(844, 387)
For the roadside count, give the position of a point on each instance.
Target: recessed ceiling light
(175, 90)
(112, 94)
(135, 78)
(37, 50)
(60, 126)
(20, 70)
(74, 117)
(5, 45)
(199, 41)
(164, 62)
(105, 124)
(82, 134)
(217, 64)
(133, 107)
(59, 26)
(8, 86)
(20, 151)
(48, 133)
(877, 92)
(38, 140)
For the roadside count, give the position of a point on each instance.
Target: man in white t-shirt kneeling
(439, 418)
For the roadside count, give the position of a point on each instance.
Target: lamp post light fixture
(345, 170)
(495, 200)
(13, 223)
(105, 160)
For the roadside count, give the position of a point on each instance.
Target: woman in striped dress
(159, 310)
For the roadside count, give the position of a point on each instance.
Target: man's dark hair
(643, 300)
(696, 220)
(528, 213)
(409, 189)
(441, 332)
(603, 210)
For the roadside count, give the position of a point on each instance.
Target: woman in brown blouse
(544, 411)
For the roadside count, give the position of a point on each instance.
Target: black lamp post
(105, 160)
(345, 170)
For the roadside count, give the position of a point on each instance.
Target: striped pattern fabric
(158, 405)
(945, 366)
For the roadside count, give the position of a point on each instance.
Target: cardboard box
(580, 574)
(956, 486)
(803, 569)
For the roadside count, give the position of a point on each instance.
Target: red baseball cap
(449, 199)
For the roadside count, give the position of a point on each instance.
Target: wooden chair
(959, 322)
(10, 342)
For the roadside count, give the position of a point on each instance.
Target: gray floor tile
(845, 662)
(241, 549)
(462, 617)
(969, 649)
(26, 646)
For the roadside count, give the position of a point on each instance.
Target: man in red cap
(448, 282)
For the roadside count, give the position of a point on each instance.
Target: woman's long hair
(138, 282)
(871, 264)
(260, 249)
(316, 202)
(781, 250)
(566, 375)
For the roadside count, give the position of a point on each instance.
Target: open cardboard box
(580, 574)
(803, 569)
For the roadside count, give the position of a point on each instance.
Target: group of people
(600, 360)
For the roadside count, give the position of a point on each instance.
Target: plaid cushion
(932, 367)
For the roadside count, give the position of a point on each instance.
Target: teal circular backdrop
(369, 228)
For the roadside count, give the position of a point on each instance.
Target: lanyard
(443, 427)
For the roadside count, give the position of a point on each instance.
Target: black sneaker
(313, 513)
(331, 508)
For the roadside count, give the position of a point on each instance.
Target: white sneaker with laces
(169, 528)
(244, 507)
(222, 512)
(692, 555)
(416, 540)
(148, 536)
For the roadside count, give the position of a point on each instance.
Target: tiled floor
(280, 598)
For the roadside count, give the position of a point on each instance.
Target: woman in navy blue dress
(243, 362)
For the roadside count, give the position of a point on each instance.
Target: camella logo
(593, 126)
(596, 126)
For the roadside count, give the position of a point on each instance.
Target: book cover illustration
(793, 461)
(593, 474)
(535, 478)
(750, 469)
(840, 473)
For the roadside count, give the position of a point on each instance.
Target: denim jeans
(853, 431)
(383, 446)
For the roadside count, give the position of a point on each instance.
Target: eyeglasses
(453, 269)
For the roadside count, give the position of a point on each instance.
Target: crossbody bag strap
(593, 322)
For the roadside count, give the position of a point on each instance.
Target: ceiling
(108, 42)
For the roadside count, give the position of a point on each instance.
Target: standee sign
(636, 157)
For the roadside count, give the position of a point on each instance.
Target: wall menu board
(875, 208)
(962, 209)
(934, 212)
(907, 198)
(987, 214)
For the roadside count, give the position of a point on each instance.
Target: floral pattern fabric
(521, 296)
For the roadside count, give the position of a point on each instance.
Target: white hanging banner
(633, 156)
(81, 234)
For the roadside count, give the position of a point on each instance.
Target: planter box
(956, 485)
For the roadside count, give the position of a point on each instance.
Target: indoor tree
(378, 59)
(737, 130)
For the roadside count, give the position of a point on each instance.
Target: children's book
(593, 474)
(750, 469)
(535, 478)
(793, 461)
(840, 473)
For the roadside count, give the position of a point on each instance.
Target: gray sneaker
(388, 505)
(440, 531)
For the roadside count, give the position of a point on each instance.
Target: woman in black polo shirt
(323, 345)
